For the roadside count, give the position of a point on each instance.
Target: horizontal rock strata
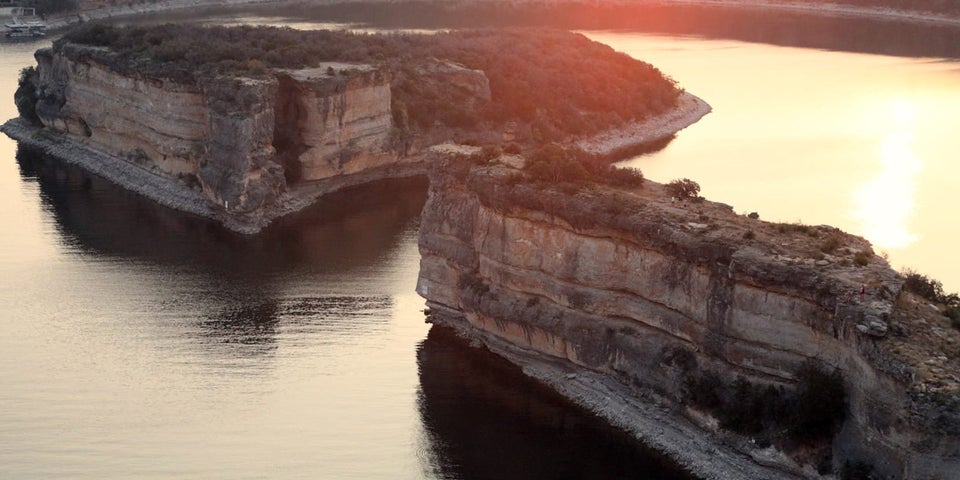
(250, 148)
(619, 284)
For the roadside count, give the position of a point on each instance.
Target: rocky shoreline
(647, 417)
(176, 196)
(637, 306)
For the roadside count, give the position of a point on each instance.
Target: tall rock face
(161, 126)
(341, 117)
(243, 142)
(238, 169)
(626, 284)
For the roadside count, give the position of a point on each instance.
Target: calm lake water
(139, 342)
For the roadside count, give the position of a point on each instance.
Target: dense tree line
(558, 83)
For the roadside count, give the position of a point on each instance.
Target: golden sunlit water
(862, 142)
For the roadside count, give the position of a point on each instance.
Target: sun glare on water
(884, 204)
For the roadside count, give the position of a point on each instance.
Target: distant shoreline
(835, 10)
(609, 143)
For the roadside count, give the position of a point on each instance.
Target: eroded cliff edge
(623, 301)
(246, 124)
(239, 150)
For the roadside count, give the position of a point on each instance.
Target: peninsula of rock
(744, 349)
(261, 121)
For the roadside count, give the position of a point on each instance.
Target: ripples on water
(145, 343)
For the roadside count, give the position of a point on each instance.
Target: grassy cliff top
(558, 82)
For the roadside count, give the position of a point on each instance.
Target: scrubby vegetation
(832, 243)
(858, 471)
(809, 413)
(862, 258)
(556, 165)
(932, 290)
(557, 83)
(48, 7)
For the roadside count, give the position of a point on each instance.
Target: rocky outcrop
(334, 120)
(238, 168)
(251, 146)
(455, 80)
(636, 289)
(159, 125)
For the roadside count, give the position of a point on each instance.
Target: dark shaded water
(774, 28)
(463, 389)
(140, 342)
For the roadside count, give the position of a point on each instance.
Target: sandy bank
(690, 109)
(645, 416)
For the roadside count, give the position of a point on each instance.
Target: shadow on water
(239, 330)
(777, 28)
(642, 149)
(234, 327)
(485, 419)
(343, 231)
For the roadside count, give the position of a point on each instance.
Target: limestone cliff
(630, 286)
(250, 145)
(336, 119)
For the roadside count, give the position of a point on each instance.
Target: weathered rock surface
(336, 118)
(159, 125)
(618, 284)
(248, 144)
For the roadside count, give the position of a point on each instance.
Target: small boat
(25, 24)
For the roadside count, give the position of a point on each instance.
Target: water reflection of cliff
(235, 329)
(343, 231)
(485, 419)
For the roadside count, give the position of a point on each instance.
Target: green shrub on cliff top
(923, 286)
(932, 290)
